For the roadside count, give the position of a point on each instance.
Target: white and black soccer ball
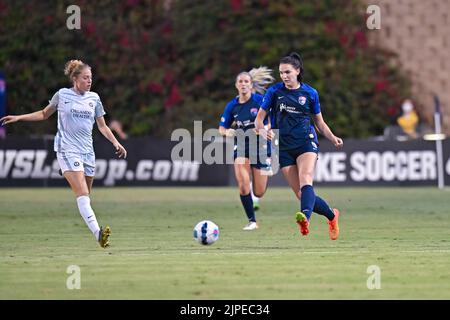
(206, 232)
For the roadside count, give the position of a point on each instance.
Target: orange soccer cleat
(302, 222)
(333, 225)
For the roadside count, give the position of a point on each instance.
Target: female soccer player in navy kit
(243, 110)
(78, 108)
(291, 104)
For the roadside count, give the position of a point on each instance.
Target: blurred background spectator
(116, 126)
(409, 120)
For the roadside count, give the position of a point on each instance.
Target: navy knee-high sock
(247, 203)
(322, 208)
(307, 200)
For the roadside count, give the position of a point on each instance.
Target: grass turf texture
(403, 231)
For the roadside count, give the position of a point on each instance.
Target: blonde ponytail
(261, 78)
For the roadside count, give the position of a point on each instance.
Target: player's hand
(266, 134)
(230, 132)
(338, 142)
(270, 134)
(120, 151)
(9, 119)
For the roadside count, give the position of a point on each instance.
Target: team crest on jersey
(254, 111)
(91, 104)
(76, 163)
(302, 100)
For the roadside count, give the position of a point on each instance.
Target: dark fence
(378, 163)
(32, 162)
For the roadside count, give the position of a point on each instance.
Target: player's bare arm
(326, 131)
(227, 132)
(40, 115)
(259, 125)
(106, 131)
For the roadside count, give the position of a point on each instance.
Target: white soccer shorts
(71, 161)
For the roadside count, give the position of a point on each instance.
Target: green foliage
(159, 65)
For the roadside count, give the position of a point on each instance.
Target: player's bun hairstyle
(295, 60)
(261, 77)
(74, 67)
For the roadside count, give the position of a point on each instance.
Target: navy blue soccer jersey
(244, 114)
(290, 112)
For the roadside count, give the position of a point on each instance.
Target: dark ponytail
(295, 60)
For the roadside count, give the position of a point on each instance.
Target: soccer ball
(206, 232)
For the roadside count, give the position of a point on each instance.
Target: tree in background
(160, 65)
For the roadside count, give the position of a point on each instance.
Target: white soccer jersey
(76, 118)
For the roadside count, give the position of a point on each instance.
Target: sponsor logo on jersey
(302, 100)
(85, 114)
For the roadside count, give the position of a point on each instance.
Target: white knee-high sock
(254, 198)
(84, 205)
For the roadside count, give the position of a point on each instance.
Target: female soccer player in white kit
(78, 109)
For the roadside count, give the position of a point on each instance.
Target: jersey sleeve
(54, 100)
(227, 118)
(99, 110)
(267, 101)
(258, 98)
(316, 103)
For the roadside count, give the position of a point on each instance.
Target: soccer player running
(78, 108)
(292, 103)
(242, 110)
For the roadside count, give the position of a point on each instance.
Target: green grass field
(403, 231)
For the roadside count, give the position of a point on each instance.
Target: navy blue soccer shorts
(289, 157)
(261, 159)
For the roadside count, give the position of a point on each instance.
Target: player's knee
(258, 192)
(81, 190)
(244, 189)
(82, 193)
(306, 179)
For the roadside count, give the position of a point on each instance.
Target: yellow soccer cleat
(103, 236)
